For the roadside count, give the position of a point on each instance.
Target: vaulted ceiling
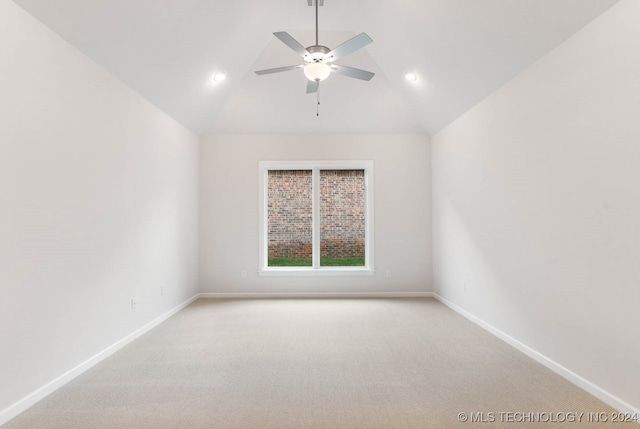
(167, 50)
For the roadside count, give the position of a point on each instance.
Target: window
(316, 217)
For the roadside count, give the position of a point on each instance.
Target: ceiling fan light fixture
(318, 60)
(317, 71)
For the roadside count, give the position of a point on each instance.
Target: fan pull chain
(318, 101)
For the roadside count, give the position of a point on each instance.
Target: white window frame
(315, 167)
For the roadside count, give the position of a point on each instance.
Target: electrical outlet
(134, 303)
(161, 291)
(387, 273)
(243, 274)
(464, 287)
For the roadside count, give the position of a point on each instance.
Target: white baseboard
(574, 378)
(29, 400)
(261, 295)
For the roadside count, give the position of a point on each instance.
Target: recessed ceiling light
(411, 76)
(219, 76)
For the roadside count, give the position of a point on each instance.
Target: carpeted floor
(316, 363)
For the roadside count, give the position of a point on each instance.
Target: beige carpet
(316, 363)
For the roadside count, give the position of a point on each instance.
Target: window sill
(303, 272)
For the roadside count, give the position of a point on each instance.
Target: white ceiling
(462, 51)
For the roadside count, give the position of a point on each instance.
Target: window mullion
(315, 185)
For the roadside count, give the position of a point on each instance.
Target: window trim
(315, 269)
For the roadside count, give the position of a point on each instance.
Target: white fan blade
(352, 72)
(312, 86)
(278, 69)
(288, 40)
(351, 45)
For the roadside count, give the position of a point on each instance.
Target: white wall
(536, 206)
(229, 211)
(98, 204)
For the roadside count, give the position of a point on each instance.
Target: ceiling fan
(319, 60)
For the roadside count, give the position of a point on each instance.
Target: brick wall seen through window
(341, 217)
